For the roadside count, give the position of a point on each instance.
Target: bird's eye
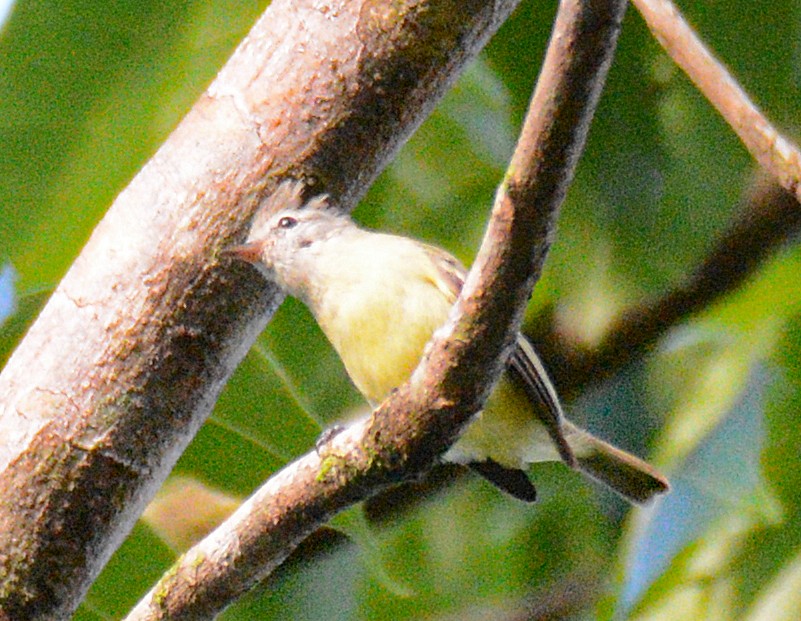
(287, 222)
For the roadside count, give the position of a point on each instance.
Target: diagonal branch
(126, 359)
(774, 152)
(769, 218)
(422, 418)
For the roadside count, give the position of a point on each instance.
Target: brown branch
(774, 152)
(126, 359)
(422, 418)
(769, 218)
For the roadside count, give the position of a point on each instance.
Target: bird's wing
(449, 270)
(524, 364)
(525, 367)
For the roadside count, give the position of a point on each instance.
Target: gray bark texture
(127, 358)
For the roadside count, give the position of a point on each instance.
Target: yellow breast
(385, 313)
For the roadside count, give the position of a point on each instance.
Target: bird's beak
(250, 252)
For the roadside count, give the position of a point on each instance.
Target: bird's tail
(624, 473)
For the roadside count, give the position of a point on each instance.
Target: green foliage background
(89, 89)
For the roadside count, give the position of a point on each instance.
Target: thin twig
(774, 152)
(421, 419)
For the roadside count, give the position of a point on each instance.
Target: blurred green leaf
(88, 90)
(725, 544)
(301, 589)
(781, 599)
(718, 479)
(130, 573)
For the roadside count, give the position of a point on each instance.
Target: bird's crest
(288, 195)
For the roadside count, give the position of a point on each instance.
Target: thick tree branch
(422, 418)
(775, 153)
(128, 356)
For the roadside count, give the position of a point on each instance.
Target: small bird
(379, 298)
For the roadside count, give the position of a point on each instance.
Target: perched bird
(379, 298)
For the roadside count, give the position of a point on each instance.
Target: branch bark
(774, 152)
(422, 418)
(769, 218)
(125, 361)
